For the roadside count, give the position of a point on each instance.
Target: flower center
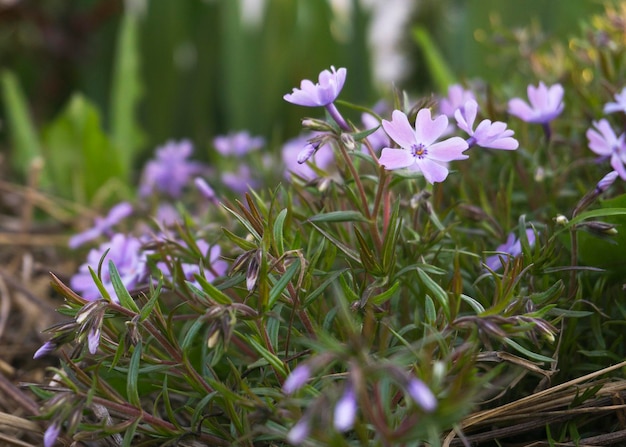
(419, 150)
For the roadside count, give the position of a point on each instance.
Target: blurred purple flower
(213, 265)
(323, 157)
(345, 410)
(512, 247)
(299, 432)
(604, 142)
(379, 138)
(488, 134)
(320, 94)
(619, 105)
(457, 97)
(297, 378)
(237, 144)
(167, 215)
(545, 104)
(206, 190)
(102, 225)
(240, 180)
(128, 258)
(421, 394)
(51, 434)
(418, 147)
(170, 171)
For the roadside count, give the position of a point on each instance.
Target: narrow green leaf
(146, 310)
(386, 295)
(239, 241)
(129, 433)
(213, 292)
(120, 290)
(526, 352)
(278, 231)
(25, 143)
(132, 377)
(282, 283)
(345, 249)
(435, 290)
(244, 222)
(191, 333)
(267, 355)
(430, 313)
(339, 216)
(320, 289)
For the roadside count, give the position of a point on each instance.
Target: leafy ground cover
(441, 269)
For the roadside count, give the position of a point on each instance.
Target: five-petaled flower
(457, 97)
(546, 103)
(604, 142)
(320, 94)
(488, 134)
(419, 149)
(237, 144)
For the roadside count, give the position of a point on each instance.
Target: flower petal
(428, 130)
(396, 158)
(433, 171)
(400, 130)
(448, 150)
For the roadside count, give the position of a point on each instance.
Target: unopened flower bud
(348, 141)
(560, 219)
(316, 124)
(421, 394)
(306, 153)
(252, 275)
(205, 189)
(540, 174)
(345, 410)
(297, 378)
(602, 228)
(606, 181)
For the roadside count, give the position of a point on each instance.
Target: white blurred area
(387, 29)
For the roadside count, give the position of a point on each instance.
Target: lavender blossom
(457, 97)
(604, 142)
(619, 105)
(51, 434)
(418, 147)
(512, 247)
(488, 134)
(345, 410)
(421, 394)
(102, 225)
(297, 379)
(240, 180)
(213, 265)
(299, 432)
(320, 94)
(237, 144)
(546, 103)
(45, 349)
(128, 258)
(170, 171)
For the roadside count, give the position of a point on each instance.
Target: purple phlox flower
(512, 247)
(299, 432)
(45, 349)
(102, 225)
(604, 142)
(240, 180)
(128, 258)
(322, 157)
(619, 105)
(606, 181)
(320, 94)
(546, 103)
(297, 378)
(457, 97)
(51, 434)
(418, 147)
(379, 138)
(237, 144)
(167, 215)
(345, 410)
(421, 394)
(488, 134)
(170, 171)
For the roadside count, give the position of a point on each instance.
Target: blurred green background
(154, 70)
